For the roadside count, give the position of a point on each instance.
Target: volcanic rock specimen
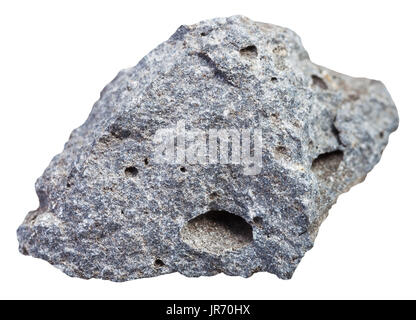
(125, 201)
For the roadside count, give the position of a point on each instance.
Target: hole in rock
(183, 169)
(131, 171)
(319, 82)
(273, 79)
(119, 132)
(249, 52)
(258, 221)
(327, 163)
(159, 263)
(217, 232)
(146, 161)
(213, 195)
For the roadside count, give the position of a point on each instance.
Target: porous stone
(108, 209)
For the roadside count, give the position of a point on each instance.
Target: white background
(56, 56)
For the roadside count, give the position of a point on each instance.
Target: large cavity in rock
(222, 150)
(217, 232)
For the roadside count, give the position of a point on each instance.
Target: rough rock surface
(109, 210)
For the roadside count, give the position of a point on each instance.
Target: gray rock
(111, 207)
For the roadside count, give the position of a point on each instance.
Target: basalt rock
(111, 209)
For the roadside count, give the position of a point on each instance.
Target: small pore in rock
(213, 195)
(217, 232)
(319, 82)
(327, 164)
(159, 263)
(258, 221)
(249, 52)
(131, 171)
(120, 133)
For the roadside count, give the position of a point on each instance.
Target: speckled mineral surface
(221, 151)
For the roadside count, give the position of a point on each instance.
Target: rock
(150, 185)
